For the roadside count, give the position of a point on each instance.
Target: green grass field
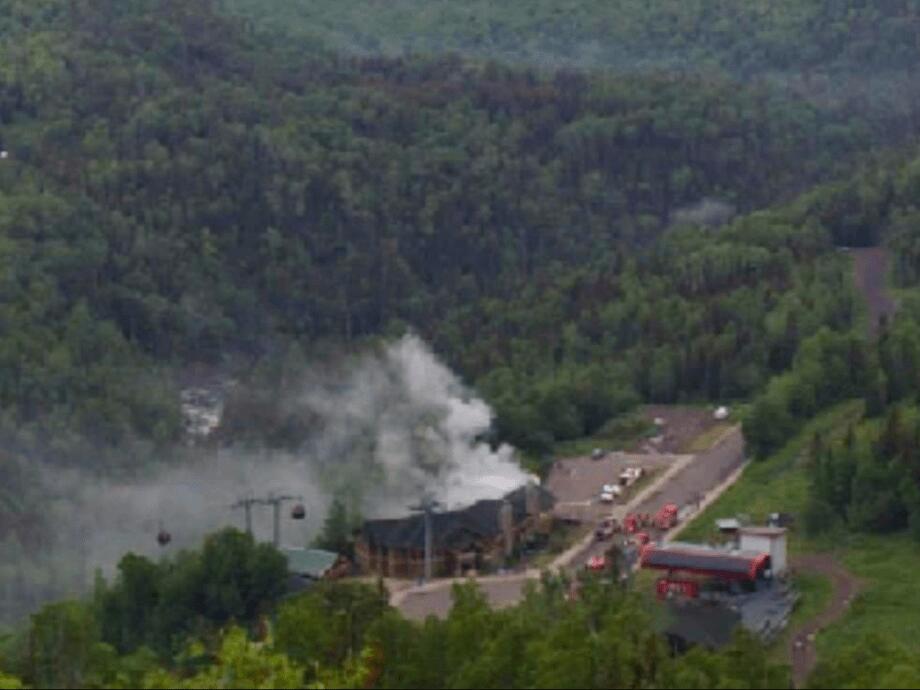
(777, 484)
(814, 594)
(889, 603)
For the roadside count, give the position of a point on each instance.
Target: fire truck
(666, 518)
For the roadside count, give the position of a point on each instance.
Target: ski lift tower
(246, 504)
(275, 501)
(427, 507)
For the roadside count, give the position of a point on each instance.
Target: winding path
(870, 274)
(802, 653)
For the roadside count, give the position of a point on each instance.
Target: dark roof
(297, 584)
(703, 560)
(702, 624)
(454, 529)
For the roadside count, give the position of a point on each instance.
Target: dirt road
(683, 424)
(802, 653)
(870, 267)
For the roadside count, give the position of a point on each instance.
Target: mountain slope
(179, 188)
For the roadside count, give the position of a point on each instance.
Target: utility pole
(427, 506)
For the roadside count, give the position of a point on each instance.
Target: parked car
(607, 497)
(598, 453)
(630, 475)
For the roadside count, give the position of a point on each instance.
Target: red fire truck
(631, 523)
(666, 518)
(666, 586)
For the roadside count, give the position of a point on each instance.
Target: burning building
(480, 536)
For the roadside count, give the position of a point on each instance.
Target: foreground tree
(239, 663)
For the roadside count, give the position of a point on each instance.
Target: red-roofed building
(706, 562)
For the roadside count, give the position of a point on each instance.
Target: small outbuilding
(771, 540)
(307, 566)
(728, 528)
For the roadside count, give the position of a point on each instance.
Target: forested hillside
(582, 206)
(753, 36)
(839, 53)
(179, 189)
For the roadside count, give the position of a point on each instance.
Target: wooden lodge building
(480, 536)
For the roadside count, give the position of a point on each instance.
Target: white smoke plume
(392, 427)
(110, 518)
(403, 425)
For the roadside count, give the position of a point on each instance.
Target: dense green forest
(179, 189)
(581, 206)
(166, 625)
(876, 205)
(837, 53)
(752, 37)
(162, 625)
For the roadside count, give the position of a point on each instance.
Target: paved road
(437, 602)
(706, 471)
(688, 484)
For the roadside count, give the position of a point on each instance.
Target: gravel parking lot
(576, 482)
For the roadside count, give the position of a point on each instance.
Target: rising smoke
(393, 424)
(706, 212)
(403, 425)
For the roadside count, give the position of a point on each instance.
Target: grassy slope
(891, 596)
(815, 592)
(776, 484)
(890, 601)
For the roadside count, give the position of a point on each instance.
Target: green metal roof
(310, 562)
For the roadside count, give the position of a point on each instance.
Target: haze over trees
(582, 206)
